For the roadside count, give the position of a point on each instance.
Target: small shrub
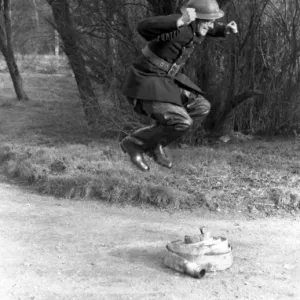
(64, 186)
(8, 103)
(6, 154)
(58, 166)
(23, 170)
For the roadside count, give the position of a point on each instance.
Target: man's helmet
(205, 9)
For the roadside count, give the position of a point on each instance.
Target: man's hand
(231, 27)
(188, 16)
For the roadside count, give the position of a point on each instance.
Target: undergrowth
(46, 144)
(233, 177)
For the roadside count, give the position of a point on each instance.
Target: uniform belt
(171, 69)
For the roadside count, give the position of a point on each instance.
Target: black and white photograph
(149, 149)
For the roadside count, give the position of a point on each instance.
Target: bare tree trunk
(37, 19)
(7, 50)
(69, 36)
(111, 44)
(56, 43)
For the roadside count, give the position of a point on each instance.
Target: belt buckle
(174, 69)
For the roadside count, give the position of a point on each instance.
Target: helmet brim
(218, 15)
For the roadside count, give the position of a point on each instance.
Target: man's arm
(221, 30)
(154, 27)
(165, 28)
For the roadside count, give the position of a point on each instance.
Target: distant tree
(163, 7)
(31, 32)
(7, 49)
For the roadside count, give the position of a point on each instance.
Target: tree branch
(238, 99)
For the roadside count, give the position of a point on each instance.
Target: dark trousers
(172, 121)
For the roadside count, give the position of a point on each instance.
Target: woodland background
(251, 79)
(62, 113)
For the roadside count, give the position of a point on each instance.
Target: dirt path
(52, 249)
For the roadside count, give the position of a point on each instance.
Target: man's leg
(172, 121)
(135, 148)
(196, 106)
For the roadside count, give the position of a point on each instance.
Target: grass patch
(45, 64)
(46, 144)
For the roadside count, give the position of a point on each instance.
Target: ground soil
(61, 249)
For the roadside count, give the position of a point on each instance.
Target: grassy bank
(46, 64)
(46, 144)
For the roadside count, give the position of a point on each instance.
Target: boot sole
(123, 148)
(166, 166)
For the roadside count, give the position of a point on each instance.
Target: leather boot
(160, 157)
(152, 136)
(136, 154)
(151, 140)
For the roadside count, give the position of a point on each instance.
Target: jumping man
(156, 86)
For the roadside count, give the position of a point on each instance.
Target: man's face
(203, 26)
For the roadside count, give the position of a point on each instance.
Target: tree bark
(7, 50)
(37, 18)
(56, 43)
(70, 38)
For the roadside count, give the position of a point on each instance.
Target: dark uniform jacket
(146, 81)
